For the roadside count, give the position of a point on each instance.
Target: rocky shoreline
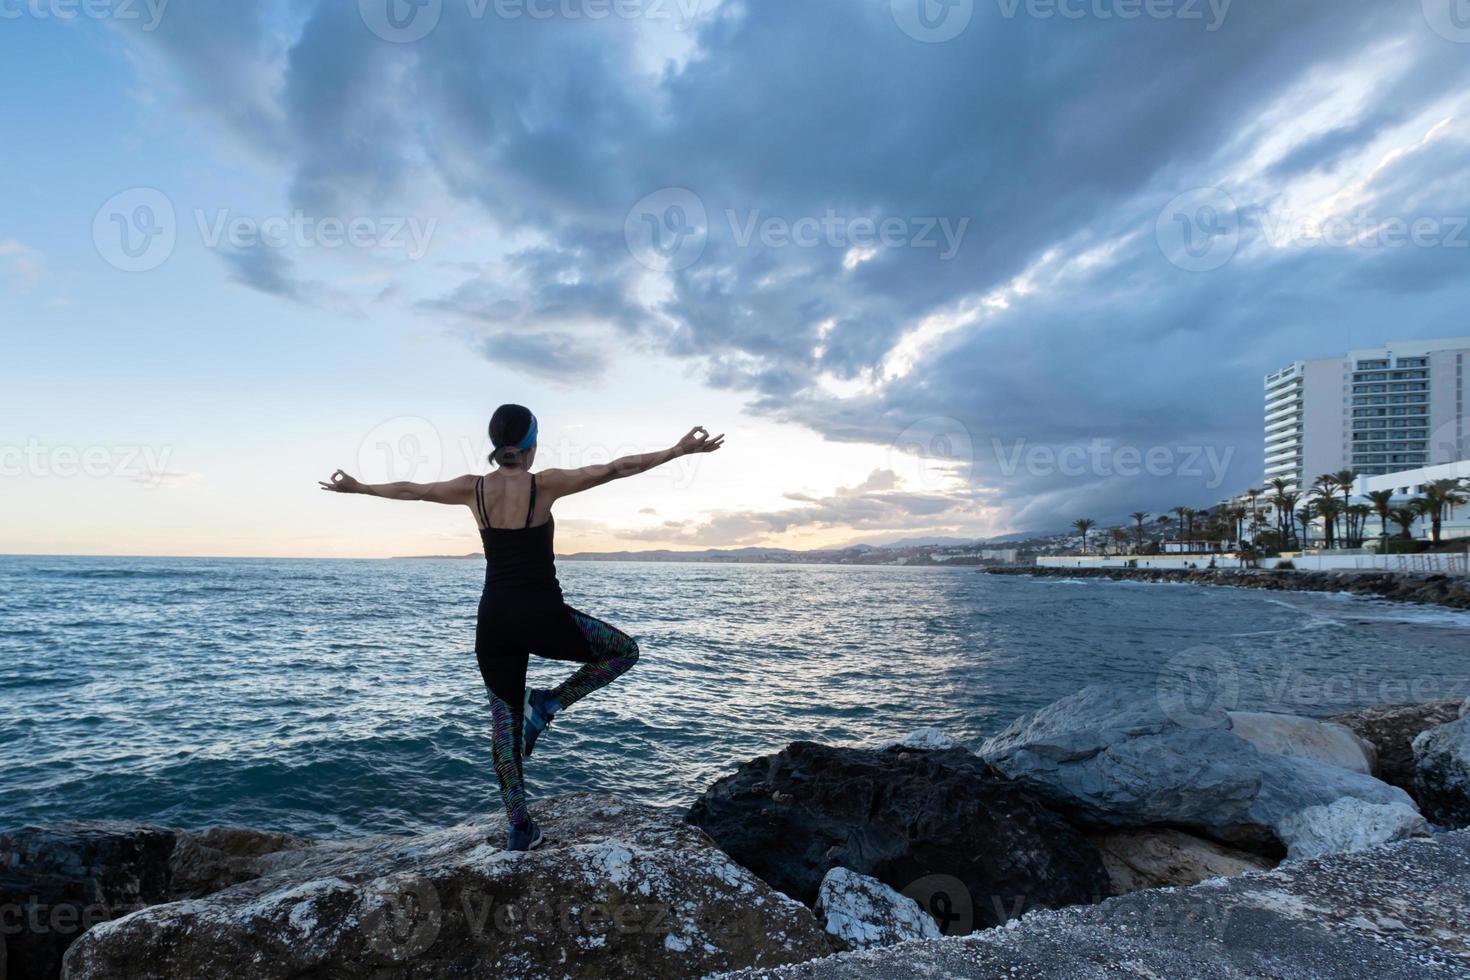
(1452, 591)
(1110, 826)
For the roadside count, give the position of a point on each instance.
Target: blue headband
(530, 439)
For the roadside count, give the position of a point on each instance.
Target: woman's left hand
(341, 483)
(699, 441)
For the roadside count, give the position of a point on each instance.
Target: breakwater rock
(1445, 590)
(618, 890)
(1397, 912)
(932, 824)
(57, 882)
(1108, 758)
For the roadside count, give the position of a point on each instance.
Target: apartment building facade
(1373, 411)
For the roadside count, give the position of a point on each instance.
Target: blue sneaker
(540, 709)
(524, 838)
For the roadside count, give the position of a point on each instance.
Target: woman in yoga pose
(522, 610)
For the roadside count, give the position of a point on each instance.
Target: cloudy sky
(939, 267)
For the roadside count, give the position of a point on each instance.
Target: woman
(522, 610)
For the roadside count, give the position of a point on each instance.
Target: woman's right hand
(699, 441)
(341, 483)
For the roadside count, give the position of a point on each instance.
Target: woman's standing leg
(505, 682)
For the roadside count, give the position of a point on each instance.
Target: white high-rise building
(1375, 411)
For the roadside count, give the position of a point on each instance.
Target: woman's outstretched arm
(457, 491)
(563, 483)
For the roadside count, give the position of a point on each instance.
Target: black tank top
(518, 560)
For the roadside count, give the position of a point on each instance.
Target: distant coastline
(1452, 591)
(936, 554)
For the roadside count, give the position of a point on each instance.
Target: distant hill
(903, 551)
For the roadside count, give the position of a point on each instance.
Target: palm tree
(1382, 501)
(1438, 496)
(1404, 517)
(1325, 487)
(1180, 513)
(1306, 514)
(1280, 490)
(1138, 518)
(1328, 509)
(1357, 518)
(1083, 525)
(1120, 539)
(1254, 493)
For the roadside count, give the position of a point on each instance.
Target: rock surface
(1395, 913)
(1304, 738)
(1442, 773)
(1163, 858)
(618, 891)
(1444, 590)
(1109, 758)
(974, 849)
(1391, 730)
(1348, 825)
(68, 877)
(861, 912)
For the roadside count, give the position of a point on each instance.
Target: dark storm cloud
(1038, 136)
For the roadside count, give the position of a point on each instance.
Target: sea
(336, 698)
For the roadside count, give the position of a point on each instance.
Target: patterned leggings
(504, 641)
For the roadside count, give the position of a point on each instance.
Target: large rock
(1348, 825)
(861, 912)
(1442, 772)
(1304, 738)
(1391, 729)
(64, 879)
(617, 891)
(973, 848)
(1157, 857)
(1109, 758)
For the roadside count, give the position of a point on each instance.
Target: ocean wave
(116, 573)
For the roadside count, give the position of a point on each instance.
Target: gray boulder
(1110, 758)
(1348, 825)
(861, 912)
(618, 890)
(65, 878)
(1442, 772)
